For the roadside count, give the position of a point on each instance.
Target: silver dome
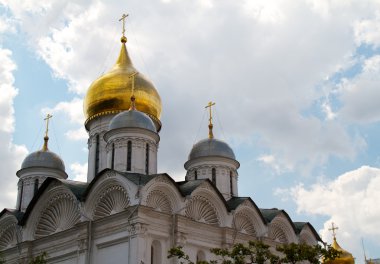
(211, 147)
(43, 158)
(132, 118)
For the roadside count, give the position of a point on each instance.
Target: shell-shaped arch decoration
(8, 236)
(277, 233)
(61, 213)
(244, 224)
(201, 209)
(112, 200)
(159, 200)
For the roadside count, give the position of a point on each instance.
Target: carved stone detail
(61, 213)
(159, 200)
(113, 200)
(8, 236)
(202, 210)
(243, 223)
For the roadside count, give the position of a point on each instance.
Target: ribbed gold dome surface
(111, 93)
(345, 256)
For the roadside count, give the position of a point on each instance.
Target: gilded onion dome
(345, 256)
(111, 93)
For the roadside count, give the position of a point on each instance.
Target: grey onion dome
(134, 119)
(211, 147)
(43, 158)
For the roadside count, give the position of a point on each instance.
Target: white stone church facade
(126, 212)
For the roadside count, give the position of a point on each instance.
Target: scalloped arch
(112, 200)
(244, 224)
(202, 210)
(277, 233)
(8, 234)
(160, 201)
(60, 213)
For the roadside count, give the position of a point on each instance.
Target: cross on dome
(210, 125)
(123, 17)
(333, 229)
(46, 138)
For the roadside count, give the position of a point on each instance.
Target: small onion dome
(211, 147)
(45, 159)
(132, 119)
(345, 256)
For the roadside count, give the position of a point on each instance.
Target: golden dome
(111, 93)
(345, 256)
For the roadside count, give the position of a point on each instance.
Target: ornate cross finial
(333, 228)
(133, 98)
(46, 138)
(210, 125)
(123, 17)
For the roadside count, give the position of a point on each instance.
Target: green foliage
(295, 253)
(259, 253)
(40, 259)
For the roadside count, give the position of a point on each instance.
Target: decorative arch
(248, 219)
(109, 194)
(60, 213)
(113, 199)
(160, 201)
(277, 233)
(8, 232)
(210, 201)
(244, 224)
(307, 238)
(162, 194)
(202, 210)
(281, 230)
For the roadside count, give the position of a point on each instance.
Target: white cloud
(367, 31)
(79, 171)
(360, 95)
(73, 109)
(11, 155)
(350, 201)
(78, 134)
(261, 62)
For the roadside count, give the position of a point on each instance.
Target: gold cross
(123, 17)
(210, 104)
(333, 228)
(47, 118)
(210, 125)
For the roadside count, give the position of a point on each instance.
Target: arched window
(97, 150)
(155, 252)
(200, 256)
(113, 156)
(129, 155)
(196, 175)
(231, 184)
(35, 186)
(147, 159)
(213, 176)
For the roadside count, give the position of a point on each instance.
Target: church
(127, 211)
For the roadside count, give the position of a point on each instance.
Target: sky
(296, 86)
